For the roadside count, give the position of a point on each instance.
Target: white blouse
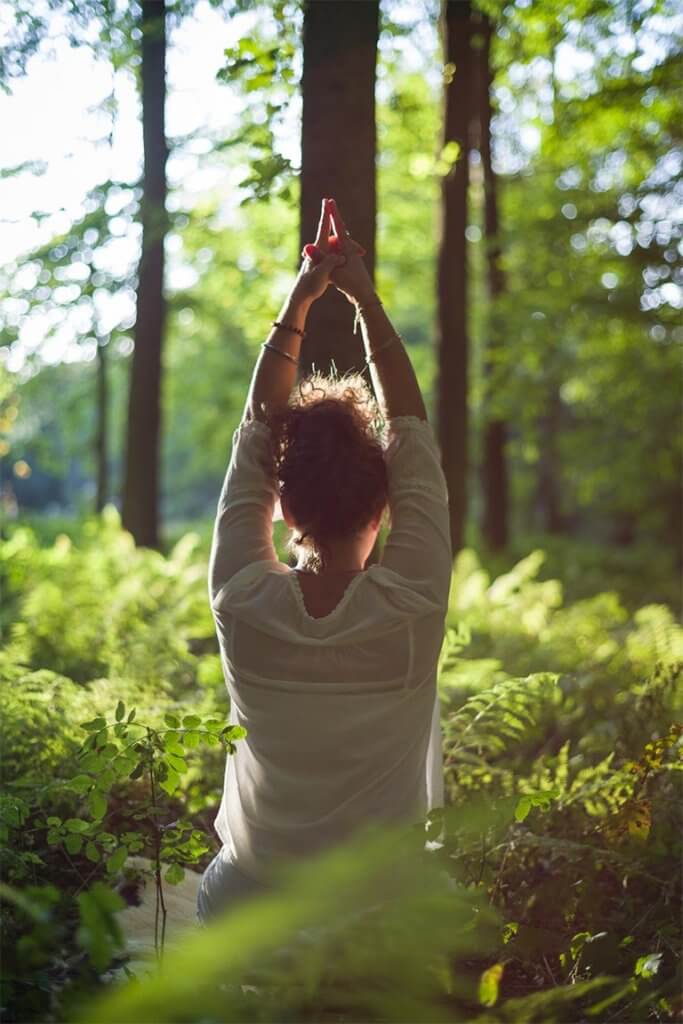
(341, 712)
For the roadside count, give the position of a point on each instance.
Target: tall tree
(338, 144)
(494, 465)
(452, 334)
(102, 425)
(140, 511)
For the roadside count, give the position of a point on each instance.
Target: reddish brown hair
(328, 447)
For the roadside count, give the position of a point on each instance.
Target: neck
(334, 568)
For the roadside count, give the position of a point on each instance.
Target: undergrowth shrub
(106, 608)
(562, 757)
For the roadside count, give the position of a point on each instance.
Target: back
(341, 711)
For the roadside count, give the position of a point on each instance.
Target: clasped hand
(334, 258)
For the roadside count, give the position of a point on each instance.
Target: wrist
(367, 298)
(297, 304)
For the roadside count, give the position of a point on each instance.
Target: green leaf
(174, 874)
(97, 804)
(171, 782)
(123, 765)
(179, 763)
(73, 843)
(76, 825)
(120, 711)
(80, 783)
(647, 966)
(173, 745)
(191, 739)
(522, 809)
(104, 779)
(91, 852)
(489, 983)
(117, 859)
(99, 932)
(578, 942)
(92, 762)
(137, 771)
(172, 721)
(95, 725)
(191, 722)
(131, 715)
(234, 732)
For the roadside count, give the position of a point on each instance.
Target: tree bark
(452, 335)
(141, 480)
(338, 145)
(101, 429)
(494, 467)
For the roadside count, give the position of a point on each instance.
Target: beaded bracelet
(289, 327)
(273, 348)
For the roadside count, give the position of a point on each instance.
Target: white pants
(223, 885)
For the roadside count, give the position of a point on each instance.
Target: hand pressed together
(334, 258)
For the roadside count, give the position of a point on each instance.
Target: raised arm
(243, 525)
(418, 546)
(393, 377)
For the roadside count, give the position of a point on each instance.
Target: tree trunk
(101, 429)
(338, 144)
(141, 482)
(452, 338)
(548, 482)
(494, 467)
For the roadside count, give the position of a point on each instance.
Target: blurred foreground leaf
(373, 928)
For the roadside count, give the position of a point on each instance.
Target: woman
(330, 666)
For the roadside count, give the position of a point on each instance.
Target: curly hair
(328, 448)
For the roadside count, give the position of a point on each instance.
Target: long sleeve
(244, 519)
(418, 546)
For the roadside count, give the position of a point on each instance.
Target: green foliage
(131, 612)
(559, 843)
(338, 935)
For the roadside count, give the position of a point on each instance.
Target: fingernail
(310, 249)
